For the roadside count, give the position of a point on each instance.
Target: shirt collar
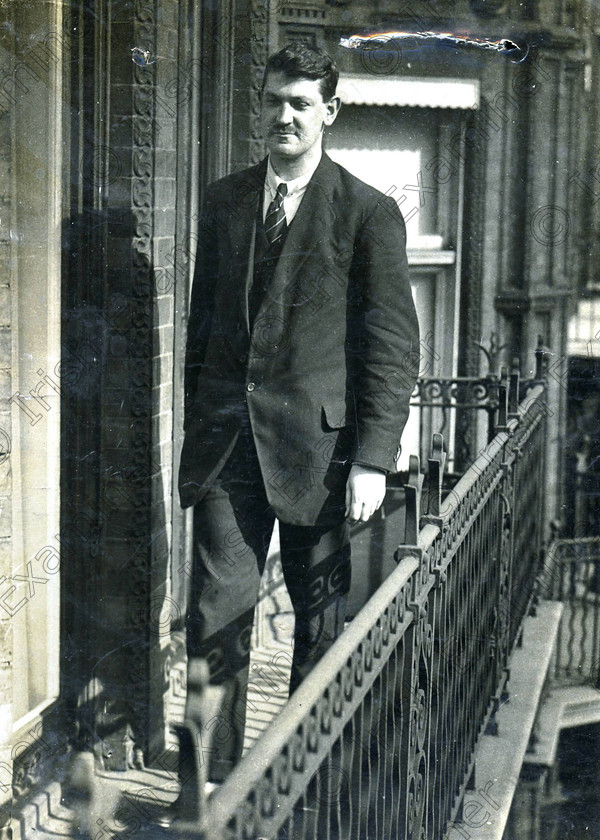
(273, 180)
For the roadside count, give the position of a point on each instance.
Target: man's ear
(333, 109)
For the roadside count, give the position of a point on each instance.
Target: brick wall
(166, 263)
(136, 270)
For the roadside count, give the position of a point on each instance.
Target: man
(300, 362)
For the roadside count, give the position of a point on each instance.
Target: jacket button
(250, 386)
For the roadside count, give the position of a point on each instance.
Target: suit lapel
(242, 231)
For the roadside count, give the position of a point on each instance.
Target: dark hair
(298, 61)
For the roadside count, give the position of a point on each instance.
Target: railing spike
(437, 464)
(413, 491)
(204, 704)
(502, 399)
(513, 390)
(437, 445)
(542, 357)
(414, 469)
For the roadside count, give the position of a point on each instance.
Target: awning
(408, 92)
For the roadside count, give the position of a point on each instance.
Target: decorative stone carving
(258, 59)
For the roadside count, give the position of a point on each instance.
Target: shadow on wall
(115, 496)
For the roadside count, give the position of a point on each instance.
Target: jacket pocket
(335, 416)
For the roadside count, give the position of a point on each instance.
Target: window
(406, 152)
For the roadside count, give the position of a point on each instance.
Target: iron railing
(572, 575)
(379, 740)
(466, 409)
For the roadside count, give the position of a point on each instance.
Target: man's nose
(285, 114)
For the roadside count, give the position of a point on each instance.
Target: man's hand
(365, 491)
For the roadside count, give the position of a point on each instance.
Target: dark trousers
(233, 524)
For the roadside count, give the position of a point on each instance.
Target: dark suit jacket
(327, 370)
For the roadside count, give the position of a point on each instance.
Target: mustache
(281, 129)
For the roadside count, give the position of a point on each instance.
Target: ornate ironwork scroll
(476, 404)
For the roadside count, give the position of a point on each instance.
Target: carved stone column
(118, 456)
(536, 300)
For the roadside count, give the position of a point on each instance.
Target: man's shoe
(172, 813)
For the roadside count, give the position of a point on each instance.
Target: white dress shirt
(295, 193)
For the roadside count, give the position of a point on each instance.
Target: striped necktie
(275, 224)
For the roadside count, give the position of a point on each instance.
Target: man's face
(293, 114)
